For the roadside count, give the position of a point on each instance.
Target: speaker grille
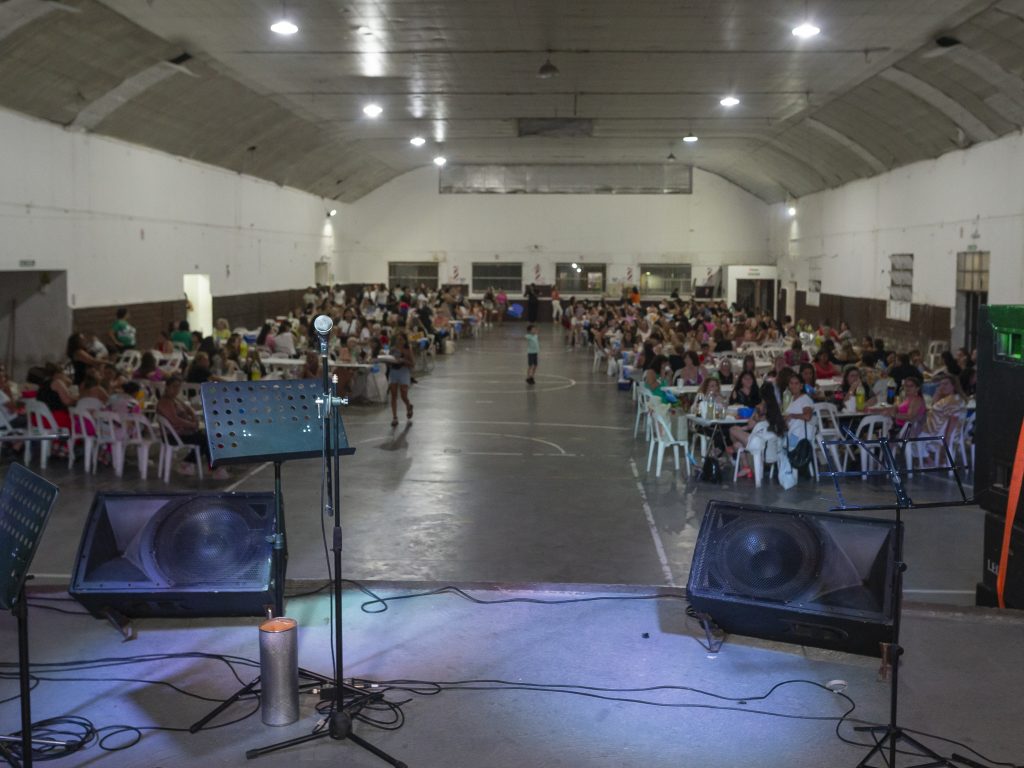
(778, 560)
(208, 541)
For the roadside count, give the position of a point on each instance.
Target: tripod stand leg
(887, 744)
(375, 751)
(199, 724)
(7, 755)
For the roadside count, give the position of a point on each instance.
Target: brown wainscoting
(149, 319)
(250, 310)
(866, 317)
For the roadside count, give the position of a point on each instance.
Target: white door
(322, 274)
(200, 303)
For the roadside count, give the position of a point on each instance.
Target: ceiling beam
(15, 14)
(99, 108)
(1011, 108)
(968, 122)
(841, 138)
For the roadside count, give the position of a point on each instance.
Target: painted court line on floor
(247, 476)
(658, 546)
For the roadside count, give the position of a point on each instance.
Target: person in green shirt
(532, 353)
(183, 335)
(122, 333)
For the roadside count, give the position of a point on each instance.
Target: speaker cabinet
(798, 577)
(177, 554)
(1013, 595)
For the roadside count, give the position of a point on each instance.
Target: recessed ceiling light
(284, 27)
(440, 160)
(791, 210)
(729, 101)
(689, 138)
(806, 30)
(417, 141)
(373, 110)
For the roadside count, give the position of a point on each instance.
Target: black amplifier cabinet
(1000, 398)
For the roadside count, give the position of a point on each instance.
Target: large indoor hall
(507, 383)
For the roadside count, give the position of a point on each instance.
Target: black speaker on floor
(995, 529)
(808, 578)
(177, 554)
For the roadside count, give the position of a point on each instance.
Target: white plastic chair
(935, 350)
(826, 423)
(643, 398)
(170, 444)
(128, 361)
(929, 451)
(140, 433)
(81, 423)
(110, 432)
(763, 448)
(40, 422)
(663, 439)
(871, 428)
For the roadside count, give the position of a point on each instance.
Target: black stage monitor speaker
(800, 577)
(177, 554)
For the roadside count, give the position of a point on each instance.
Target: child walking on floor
(532, 352)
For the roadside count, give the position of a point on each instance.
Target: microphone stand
(339, 721)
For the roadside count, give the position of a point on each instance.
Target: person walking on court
(532, 352)
(399, 375)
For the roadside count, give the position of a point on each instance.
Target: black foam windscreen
(804, 577)
(183, 554)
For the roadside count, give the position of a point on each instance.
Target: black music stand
(888, 737)
(253, 421)
(25, 504)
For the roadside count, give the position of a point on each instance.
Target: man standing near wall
(122, 333)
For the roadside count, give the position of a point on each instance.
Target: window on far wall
(497, 276)
(583, 278)
(662, 279)
(412, 273)
(901, 286)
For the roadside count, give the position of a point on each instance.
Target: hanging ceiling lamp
(547, 70)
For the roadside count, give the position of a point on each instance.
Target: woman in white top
(284, 342)
(799, 413)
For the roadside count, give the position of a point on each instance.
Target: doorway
(756, 295)
(971, 293)
(321, 273)
(199, 300)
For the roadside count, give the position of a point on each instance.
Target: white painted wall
(408, 220)
(127, 222)
(930, 209)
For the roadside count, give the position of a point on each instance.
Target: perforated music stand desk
(277, 420)
(25, 504)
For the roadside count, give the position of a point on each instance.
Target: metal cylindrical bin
(279, 671)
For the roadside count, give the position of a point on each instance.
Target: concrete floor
(500, 483)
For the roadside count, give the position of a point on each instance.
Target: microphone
(323, 325)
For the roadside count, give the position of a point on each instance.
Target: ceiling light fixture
(284, 27)
(547, 70)
(417, 141)
(729, 101)
(671, 157)
(365, 31)
(690, 138)
(440, 160)
(806, 30)
(332, 212)
(373, 110)
(791, 211)
(574, 265)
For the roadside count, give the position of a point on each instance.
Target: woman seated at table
(749, 364)
(768, 413)
(182, 418)
(854, 394)
(148, 369)
(724, 373)
(311, 367)
(254, 369)
(710, 391)
(655, 384)
(691, 374)
(745, 392)
(910, 409)
(796, 354)
(948, 403)
(823, 367)
(798, 413)
(809, 381)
